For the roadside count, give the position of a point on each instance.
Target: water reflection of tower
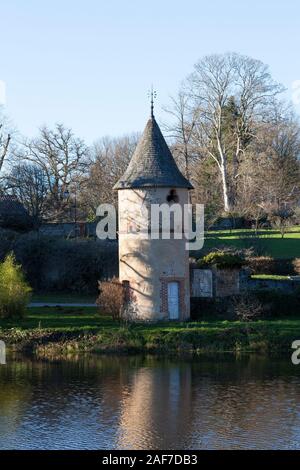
(156, 411)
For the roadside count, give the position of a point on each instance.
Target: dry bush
(111, 298)
(268, 265)
(296, 265)
(281, 219)
(261, 264)
(247, 307)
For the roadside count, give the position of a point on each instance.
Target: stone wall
(201, 283)
(210, 283)
(67, 230)
(215, 282)
(226, 282)
(286, 286)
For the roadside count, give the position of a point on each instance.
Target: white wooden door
(173, 300)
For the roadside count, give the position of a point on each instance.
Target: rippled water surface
(149, 403)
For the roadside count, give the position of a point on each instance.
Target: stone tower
(155, 272)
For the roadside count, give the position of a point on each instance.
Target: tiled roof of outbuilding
(13, 214)
(9, 205)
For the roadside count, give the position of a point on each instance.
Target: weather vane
(152, 95)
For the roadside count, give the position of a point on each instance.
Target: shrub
(261, 265)
(56, 264)
(268, 265)
(281, 219)
(222, 260)
(296, 265)
(14, 290)
(7, 240)
(111, 298)
(278, 303)
(247, 307)
(203, 308)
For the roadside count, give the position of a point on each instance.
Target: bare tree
(28, 183)
(63, 160)
(270, 174)
(110, 158)
(281, 148)
(218, 83)
(5, 139)
(181, 129)
(281, 218)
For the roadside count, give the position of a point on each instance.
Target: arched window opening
(172, 196)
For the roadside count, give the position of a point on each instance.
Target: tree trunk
(226, 198)
(235, 168)
(4, 151)
(224, 175)
(186, 157)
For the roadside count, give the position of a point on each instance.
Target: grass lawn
(58, 318)
(61, 329)
(268, 241)
(272, 277)
(64, 298)
(88, 318)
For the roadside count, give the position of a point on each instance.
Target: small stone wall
(227, 282)
(202, 283)
(211, 283)
(286, 286)
(67, 230)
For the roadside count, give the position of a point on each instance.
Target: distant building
(13, 214)
(155, 271)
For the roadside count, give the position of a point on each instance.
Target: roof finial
(152, 95)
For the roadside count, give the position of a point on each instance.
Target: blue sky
(90, 63)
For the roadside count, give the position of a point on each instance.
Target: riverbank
(58, 331)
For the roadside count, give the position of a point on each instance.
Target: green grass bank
(266, 241)
(54, 332)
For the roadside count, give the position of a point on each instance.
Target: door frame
(164, 307)
(171, 317)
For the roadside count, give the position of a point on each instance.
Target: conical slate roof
(152, 164)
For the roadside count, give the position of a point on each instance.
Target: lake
(99, 402)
